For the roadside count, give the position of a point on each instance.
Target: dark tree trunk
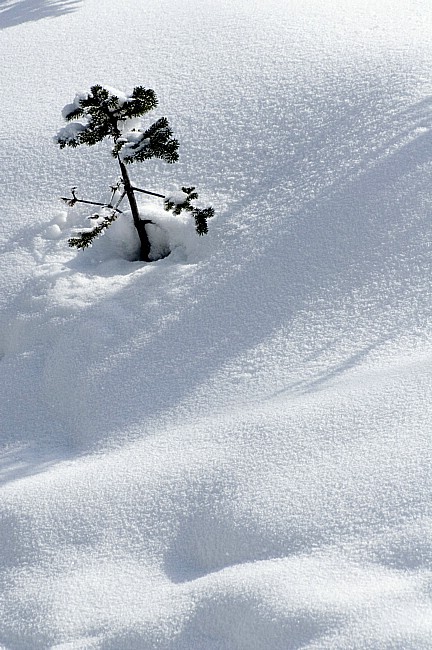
(139, 224)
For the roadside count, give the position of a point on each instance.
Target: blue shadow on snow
(22, 11)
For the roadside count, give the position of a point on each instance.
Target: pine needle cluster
(85, 238)
(102, 115)
(200, 215)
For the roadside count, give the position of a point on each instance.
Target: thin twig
(120, 200)
(74, 200)
(138, 189)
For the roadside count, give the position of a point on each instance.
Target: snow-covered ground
(230, 448)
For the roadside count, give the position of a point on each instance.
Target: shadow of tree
(15, 12)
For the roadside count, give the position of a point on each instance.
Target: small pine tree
(106, 113)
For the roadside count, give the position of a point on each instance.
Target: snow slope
(227, 449)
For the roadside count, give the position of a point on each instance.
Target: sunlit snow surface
(230, 448)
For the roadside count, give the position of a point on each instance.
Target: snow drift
(228, 448)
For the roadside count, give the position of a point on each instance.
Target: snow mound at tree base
(167, 234)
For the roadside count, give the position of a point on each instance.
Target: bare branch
(71, 202)
(137, 189)
(123, 194)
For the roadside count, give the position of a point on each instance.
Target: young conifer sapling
(106, 113)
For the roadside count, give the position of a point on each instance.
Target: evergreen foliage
(105, 113)
(85, 238)
(154, 142)
(200, 215)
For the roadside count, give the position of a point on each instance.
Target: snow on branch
(182, 200)
(138, 145)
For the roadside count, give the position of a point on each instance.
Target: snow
(228, 448)
(73, 106)
(70, 131)
(133, 143)
(177, 197)
(114, 92)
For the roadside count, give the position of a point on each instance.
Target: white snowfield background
(229, 448)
